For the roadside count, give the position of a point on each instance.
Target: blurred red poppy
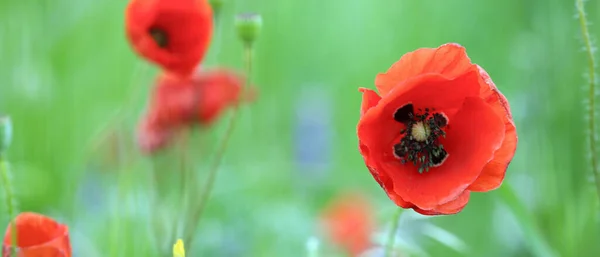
(38, 236)
(438, 130)
(348, 221)
(174, 34)
(179, 102)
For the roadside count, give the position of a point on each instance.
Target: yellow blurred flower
(178, 249)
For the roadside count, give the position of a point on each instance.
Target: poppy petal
(219, 89)
(380, 120)
(449, 60)
(385, 183)
(370, 98)
(174, 34)
(34, 229)
(172, 101)
(152, 137)
(180, 102)
(452, 207)
(473, 135)
(38, 236)
(433, 91)
(493, 173)
(348, 222)
(378, 130)
(43, 251)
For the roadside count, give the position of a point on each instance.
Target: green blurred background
(67, 69)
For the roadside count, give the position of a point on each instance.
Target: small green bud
(248, 26)
(5, 133)
(216, 5)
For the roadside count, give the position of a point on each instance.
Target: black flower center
(420, 143)
(159, 36)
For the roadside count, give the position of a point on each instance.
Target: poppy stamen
(420, 144)
(403, 113)
(159, 36)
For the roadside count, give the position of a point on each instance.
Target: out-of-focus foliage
(66, 69)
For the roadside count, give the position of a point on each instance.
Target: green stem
(4, 170)
(186, 173)
(218, 32)
(160, 234)
(248, 53)
(214, 168)
(583, 23)
(393, 231)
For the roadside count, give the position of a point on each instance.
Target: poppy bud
(248, 27)
(5, 133)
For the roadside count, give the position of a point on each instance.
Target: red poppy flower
(180, 102)
(438, 130)
(38, 236)
(174, 34)
(348, 221)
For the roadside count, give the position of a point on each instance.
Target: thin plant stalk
(190, 176)
(4, 174)
(218, 37)
(157, 214)
(391, 241)
(186, 170)
(116, 124)
(583, 23)
(214, 168)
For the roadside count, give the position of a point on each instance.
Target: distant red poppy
(174, 34)
(179, 102)
(38, 236)
(439, 130)
(348, 221)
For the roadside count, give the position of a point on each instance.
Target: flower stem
(393, 231)
(583, 23)
(218, 32)
(214, 168)
(4, 174)
(186, 166)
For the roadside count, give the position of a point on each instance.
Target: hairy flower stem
(4, 174)
(389, 249)
(214, 168)
(583, 23)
